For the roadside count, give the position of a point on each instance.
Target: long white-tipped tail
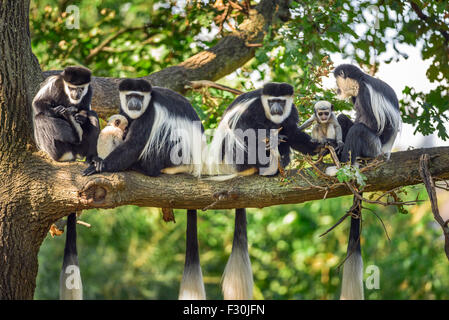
(70, 285)
(192, 285)
(237, 283)
(352, 282)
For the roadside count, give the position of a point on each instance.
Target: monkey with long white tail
(327, 129)
(163, 131)
(239, 147)
(377, 123)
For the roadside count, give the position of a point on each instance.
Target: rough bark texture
(20, 232)
(227, 55)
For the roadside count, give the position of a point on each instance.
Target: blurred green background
(130, 253)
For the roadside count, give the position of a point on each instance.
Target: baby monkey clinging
(327, 128)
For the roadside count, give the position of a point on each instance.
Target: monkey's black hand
(340, 145)
(80, 118)
(97, 166)
(60, 110)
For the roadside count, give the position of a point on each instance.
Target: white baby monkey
(112, 135)
(327, 127)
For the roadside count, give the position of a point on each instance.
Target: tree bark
(21, 233)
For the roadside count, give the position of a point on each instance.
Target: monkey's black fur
(277, 89)
(134, 85)
(76, 75)
(54, 115)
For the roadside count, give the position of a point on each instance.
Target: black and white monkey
(112, 135)
(327, 129)
(376, 125)
(164, 131)
(65, 127)
(254, 120)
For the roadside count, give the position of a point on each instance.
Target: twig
(430, 187)
(347, 214)
(383, 225)
(168, 215)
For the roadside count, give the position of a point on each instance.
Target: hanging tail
(70, 285)
(352, 283)
(237, 283)
(192, 286)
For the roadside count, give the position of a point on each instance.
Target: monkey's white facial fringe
(277, 118)
(237, 281)
(192, 285)
(67, 92)
(352, 283)
(185, 134)
(383, 110)
(134, 114)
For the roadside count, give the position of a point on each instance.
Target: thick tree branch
(66, 188)
(230, 53)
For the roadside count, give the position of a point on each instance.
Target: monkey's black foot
(95, 167)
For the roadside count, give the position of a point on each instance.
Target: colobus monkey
(70, 285)
(163, 131)
(112, 135)
(327, 128)
(373, 133)
(66, 128)
(64, 125)
(252, 121)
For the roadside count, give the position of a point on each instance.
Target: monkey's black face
(323, 116)
(134, 102)
(277, 106)
(75, 92)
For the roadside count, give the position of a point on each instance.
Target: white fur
(237, 283)
(133, 114)
(192, 285)
(277, 118)
(77, 127)
(352, 283)
(331, 171)
(225, 134)
(108, 140)
(70, 284)
(68, 156)
(47, 85)
(67, 92)
(386, 148)
(383, 110)
(167, 128)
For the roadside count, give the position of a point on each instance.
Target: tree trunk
(20, 232)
